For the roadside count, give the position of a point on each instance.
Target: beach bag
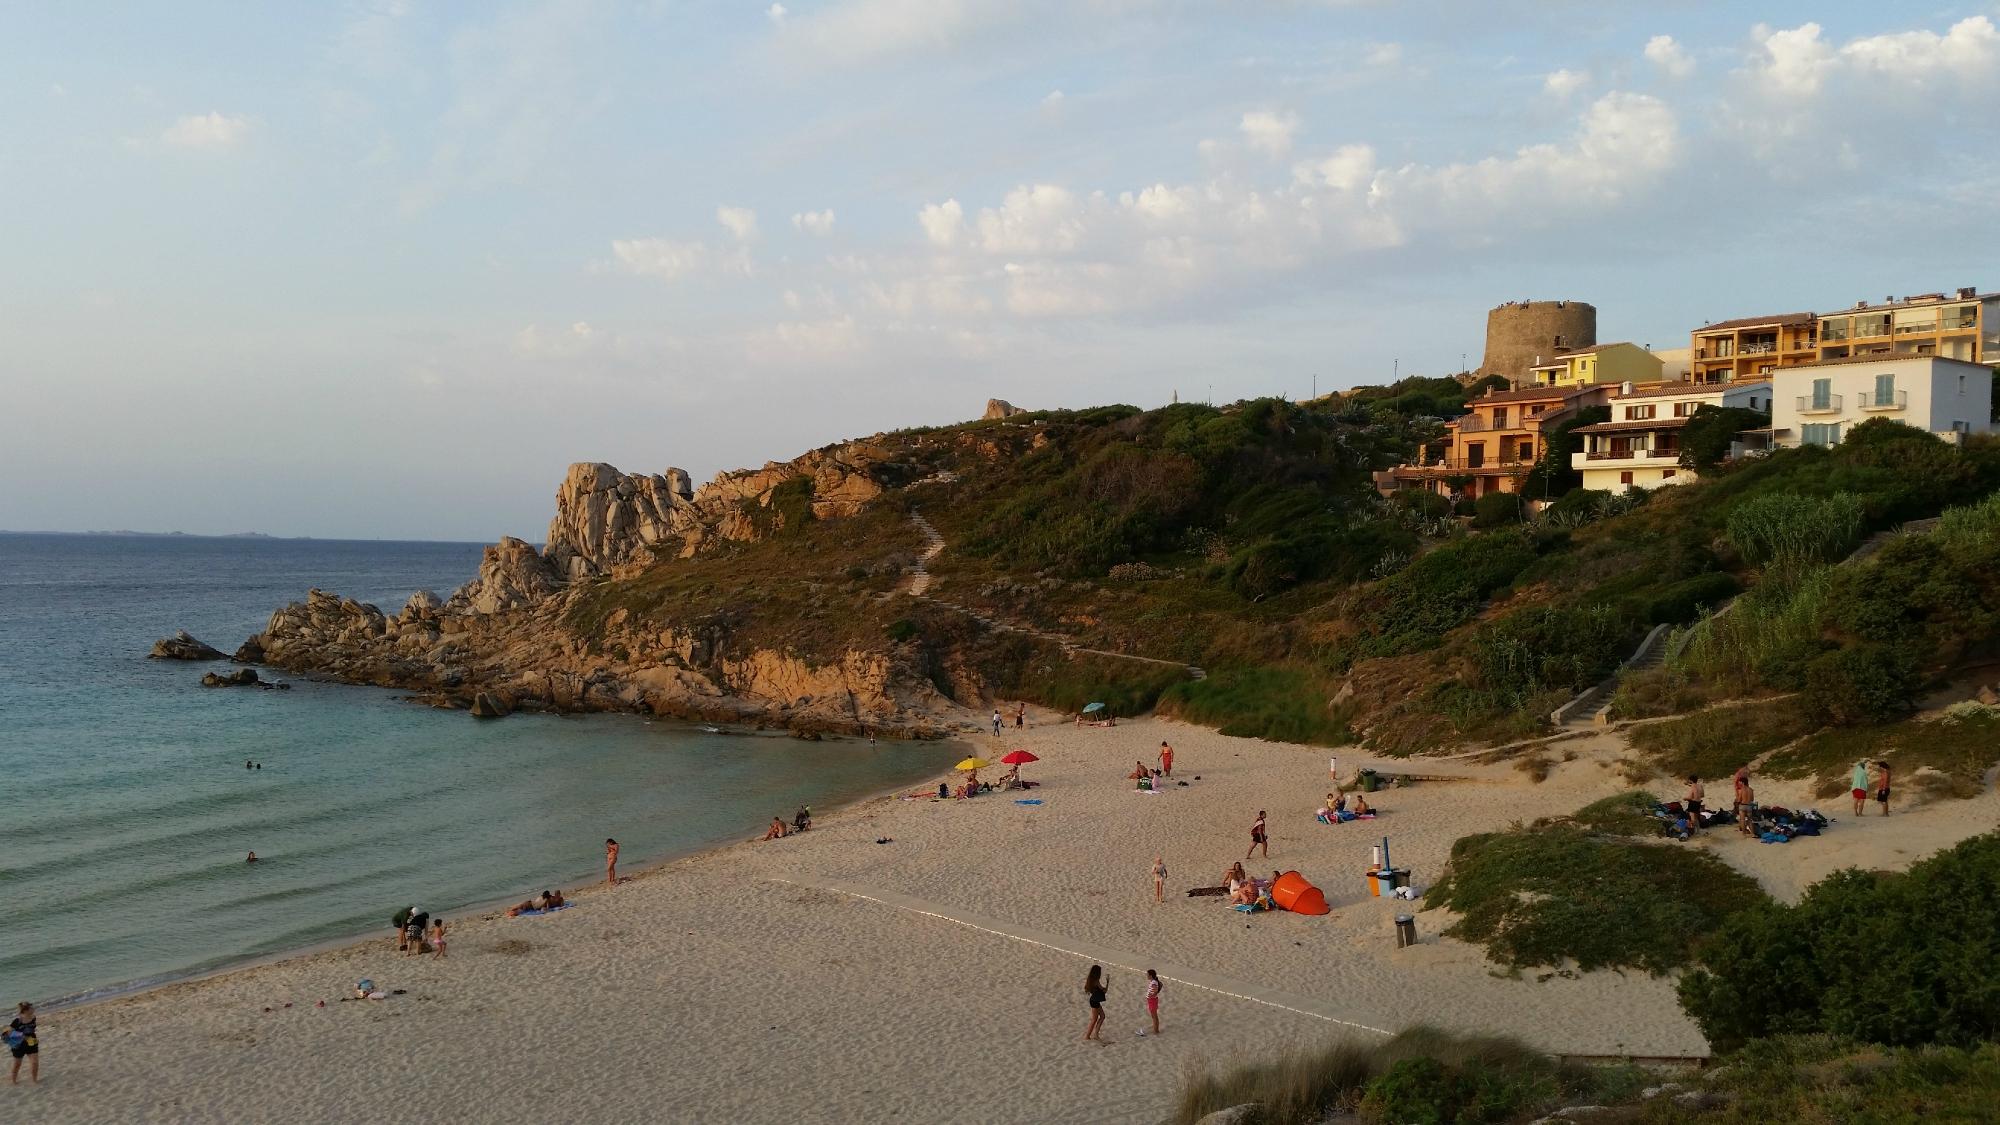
(1775, 838)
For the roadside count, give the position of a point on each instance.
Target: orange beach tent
(1293, 893)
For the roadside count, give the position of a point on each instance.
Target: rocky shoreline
(503, 643)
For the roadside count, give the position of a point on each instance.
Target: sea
(127, 813)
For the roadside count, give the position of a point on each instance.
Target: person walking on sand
(1153, 999)
(1882, 786)
(437, 937)
(1094, 993)
(1695, 794)
(1020, 715)
(1159, 879)
(1258, 838)
(23, 1043)
(996, 722)
(1860, 783)
(610, 861)
(1166, 759)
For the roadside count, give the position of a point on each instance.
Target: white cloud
(942, 222)
(660, 257)
(1662, 51)
(740, 222)
(1269, 132)
(1350, 167)
(1384, 55)
(854, 31)
(1053, 100)
(1798, 62)
(1563, 83)
(1032, 219)
(777, 13)
(814, 222)
(207, 130)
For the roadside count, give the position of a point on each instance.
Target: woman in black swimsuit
(23, 1044)
(1094, 991)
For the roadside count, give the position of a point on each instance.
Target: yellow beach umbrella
(973, 764)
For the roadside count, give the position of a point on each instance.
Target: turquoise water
(126, 812)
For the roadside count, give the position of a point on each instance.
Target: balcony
(1765, 348)
(1449, 465)
(1614, 454)
(1831, 404)
(1885, 400)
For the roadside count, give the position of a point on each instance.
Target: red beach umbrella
(1016, 757)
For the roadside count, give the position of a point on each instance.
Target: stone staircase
(917, 584)
(1592, 709)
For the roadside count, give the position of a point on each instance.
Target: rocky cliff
(506, 640)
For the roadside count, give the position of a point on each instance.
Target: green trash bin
(1368, 781)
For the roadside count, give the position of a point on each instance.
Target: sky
(384, 269)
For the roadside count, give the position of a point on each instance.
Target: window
(1559, 343)
(1885, 390)
(1625, 477)
(1638, 413)
(1499, 417)
(1527, 451)
(1820, 433)
(1668, 474)
(1822, 396)
(1961, 384)
(1684, 409)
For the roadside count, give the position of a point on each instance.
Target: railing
(1831, 404)
(1472, 424)
(1759, 349)
(1463, 465)
(1614, 454)
(1885, 400)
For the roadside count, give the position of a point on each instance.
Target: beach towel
(1029, 801)
(539, 913)
(1207, 892)
(1775, 838)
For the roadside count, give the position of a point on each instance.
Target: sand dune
(934, 978)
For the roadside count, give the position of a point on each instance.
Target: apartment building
(1964, 325)
(1818, 403)
(1753, 346)
(1495, 443)
(1640, 447)
(1602, 363)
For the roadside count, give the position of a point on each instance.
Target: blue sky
(385, 269)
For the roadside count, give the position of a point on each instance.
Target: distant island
(161, 534)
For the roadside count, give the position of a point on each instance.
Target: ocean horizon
(130, 811)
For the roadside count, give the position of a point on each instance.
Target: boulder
(512, 574)
(242, 677)
(997, 408)
(1234, 1115)
(1988, 694)
(488, 705)
(181, 646)
(605, 518)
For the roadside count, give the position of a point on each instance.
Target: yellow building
(1494, 444)
(1603, 363)
(1753, 346)
(1964, 326)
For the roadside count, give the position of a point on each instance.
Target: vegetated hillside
(1248, 540)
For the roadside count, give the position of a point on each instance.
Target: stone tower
(1519, 333)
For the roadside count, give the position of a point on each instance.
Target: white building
(1640, 447)
(1818, 403)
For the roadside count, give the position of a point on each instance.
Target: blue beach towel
(1028, 801)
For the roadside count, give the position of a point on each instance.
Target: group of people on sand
(1096, 990)
(547, 900)
(1149, 777)
(1339, 806)
(417, 932)
(1870, 778)
(802, 821)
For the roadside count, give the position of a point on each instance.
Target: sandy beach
(936, 977)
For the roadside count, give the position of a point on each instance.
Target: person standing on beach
(1882, 786)
(1153, 999)
(1258, 838)
(1159, 879)
(1860, 783)
(996, 722)
(1166, 759)
(1094, 993)
(1020, 715)
(1695, 794)
(1746, 802)
(23, 1043)
(610, 861)
(437, 937)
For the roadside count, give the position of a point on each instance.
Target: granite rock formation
(182, 646)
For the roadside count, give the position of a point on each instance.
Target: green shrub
(1498, 509)
(1544, 896)
(1865, 684)
(1549, 647)
(901, 629)
(1422, 501)
(1125, 687)
(1271, 702)
(1788, 532)
(1719, 741)
(1885, 957)
(1444, 588)
(1624, 814)
(1709, 432)
(1684, 601)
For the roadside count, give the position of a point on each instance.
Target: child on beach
(1153, 999)
(437, 937)
(1094, 993)
(1159, 879)
(610, 861)
(1258, 838)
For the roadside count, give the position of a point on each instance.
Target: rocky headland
(510, 639)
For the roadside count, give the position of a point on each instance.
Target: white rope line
(946, 917)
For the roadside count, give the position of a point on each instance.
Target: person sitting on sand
(554, 899)
(802, 820)
(1336, 800)
(1361, 805)
(1139, 772)
(1234, 876)
(777, 830)
(1243, 894)
(1011, 778)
